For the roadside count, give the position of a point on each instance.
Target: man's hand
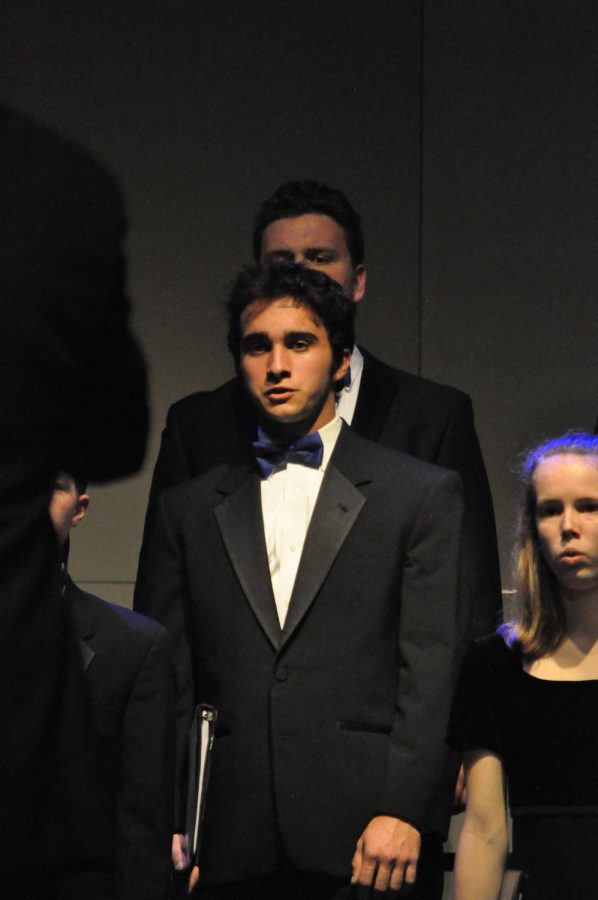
(386, 855)
(180, 860)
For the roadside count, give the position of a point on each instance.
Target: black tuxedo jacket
(67, 361)
(427, 420)
(131, 682)
(342, 714)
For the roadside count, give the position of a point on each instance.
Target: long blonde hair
(540, 622)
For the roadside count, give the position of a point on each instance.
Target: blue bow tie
(307, 451)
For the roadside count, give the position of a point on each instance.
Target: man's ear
(359, 280)
(342, 370)
(80, 509)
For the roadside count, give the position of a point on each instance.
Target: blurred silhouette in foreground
(72, 389)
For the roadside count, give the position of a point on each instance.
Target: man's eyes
(320, 257)
(299, 340)
(314, 257)
(588, 506)
(255, 347)
(278, 256)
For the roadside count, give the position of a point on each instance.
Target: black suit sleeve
(420, 779)
(460, 450)
(162, 597)
(144, 803)
(435, 423)
(173, 465)
(201, 431)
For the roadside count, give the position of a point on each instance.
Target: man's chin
(281, 418)
(286, 422)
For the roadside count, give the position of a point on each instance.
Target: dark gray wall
(465, 133)
(510, 221)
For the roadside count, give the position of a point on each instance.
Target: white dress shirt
(288, 499)
(347, 396)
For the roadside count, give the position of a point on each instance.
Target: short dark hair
(309, 288)
(299, 198)
(80, 484)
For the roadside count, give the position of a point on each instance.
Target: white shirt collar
(346, 399)
(329, 434)
(356, 369)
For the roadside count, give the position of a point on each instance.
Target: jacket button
(282, 674)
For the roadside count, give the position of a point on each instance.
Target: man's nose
(278, 362)
(300, 259)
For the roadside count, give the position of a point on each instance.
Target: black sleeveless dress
(546, 733)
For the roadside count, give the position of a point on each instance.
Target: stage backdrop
(464, 132)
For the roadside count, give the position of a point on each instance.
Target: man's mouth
(279, 393)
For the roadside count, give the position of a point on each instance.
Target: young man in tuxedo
(130, 680)
(312, 597)
(310, 223)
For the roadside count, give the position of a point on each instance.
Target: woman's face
(567, 519)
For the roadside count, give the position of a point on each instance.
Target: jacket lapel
(87, 653)
(239, 518)
(338, 506)
(376, 394)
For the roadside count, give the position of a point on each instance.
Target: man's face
(67, 506)
(318, 242)
(286, 362)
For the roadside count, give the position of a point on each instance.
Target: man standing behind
(130, 680)
(312, 599)
(310, 223)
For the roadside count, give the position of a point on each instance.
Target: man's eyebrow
(310, 336)
(252, 336)
(324, 249)
(282, 253)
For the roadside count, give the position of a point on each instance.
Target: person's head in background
(557, 551)
(309, 223)
(291, 336)
(68, 506)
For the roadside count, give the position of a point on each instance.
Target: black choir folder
(201, 738)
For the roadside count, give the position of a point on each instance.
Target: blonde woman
(526, 710)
